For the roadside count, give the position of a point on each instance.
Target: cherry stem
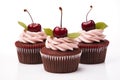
(89, 12)
(60, 8)
(25, 10)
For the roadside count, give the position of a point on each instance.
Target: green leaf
(100, 25)
(48, 31)
(22, 24)
(73, 35)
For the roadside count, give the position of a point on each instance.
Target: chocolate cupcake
(93, 46)
(60, 55)
(93, 53)
(32, 39)
(28, 47)
(92, 41)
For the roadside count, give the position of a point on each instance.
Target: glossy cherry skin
(34, 27)
(89, 25)
(60, 32)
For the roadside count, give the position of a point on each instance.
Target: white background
(46, 13)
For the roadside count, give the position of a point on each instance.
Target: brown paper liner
(93, 53)
(29, 53)
(60, 64)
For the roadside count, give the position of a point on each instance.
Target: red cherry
(33, 27)
(60, 32)
(88, 25)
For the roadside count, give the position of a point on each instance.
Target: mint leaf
(73, 35)
(22, 24)
(100, 25)
(48, 31)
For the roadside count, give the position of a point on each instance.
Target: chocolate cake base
(60, 62)
(29, 53)
(93, 53)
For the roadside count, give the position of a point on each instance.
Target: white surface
(47, 14)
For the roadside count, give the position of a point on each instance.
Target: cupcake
(61, 53)
(32, 39)
(92, 42)
(93, 46)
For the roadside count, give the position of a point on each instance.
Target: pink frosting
(32, 37)
(91, 36)
(61, 44)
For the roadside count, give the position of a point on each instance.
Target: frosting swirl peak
(95, 35)
(61, 44)
(32, 37)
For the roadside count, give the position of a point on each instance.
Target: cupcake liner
(29, 56)
(29, 53)
(93, 53)
(93, 56)
(60, 64)
(92, 50)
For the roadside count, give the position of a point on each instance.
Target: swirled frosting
(95, 35)
(61, 44)
(32, 37)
